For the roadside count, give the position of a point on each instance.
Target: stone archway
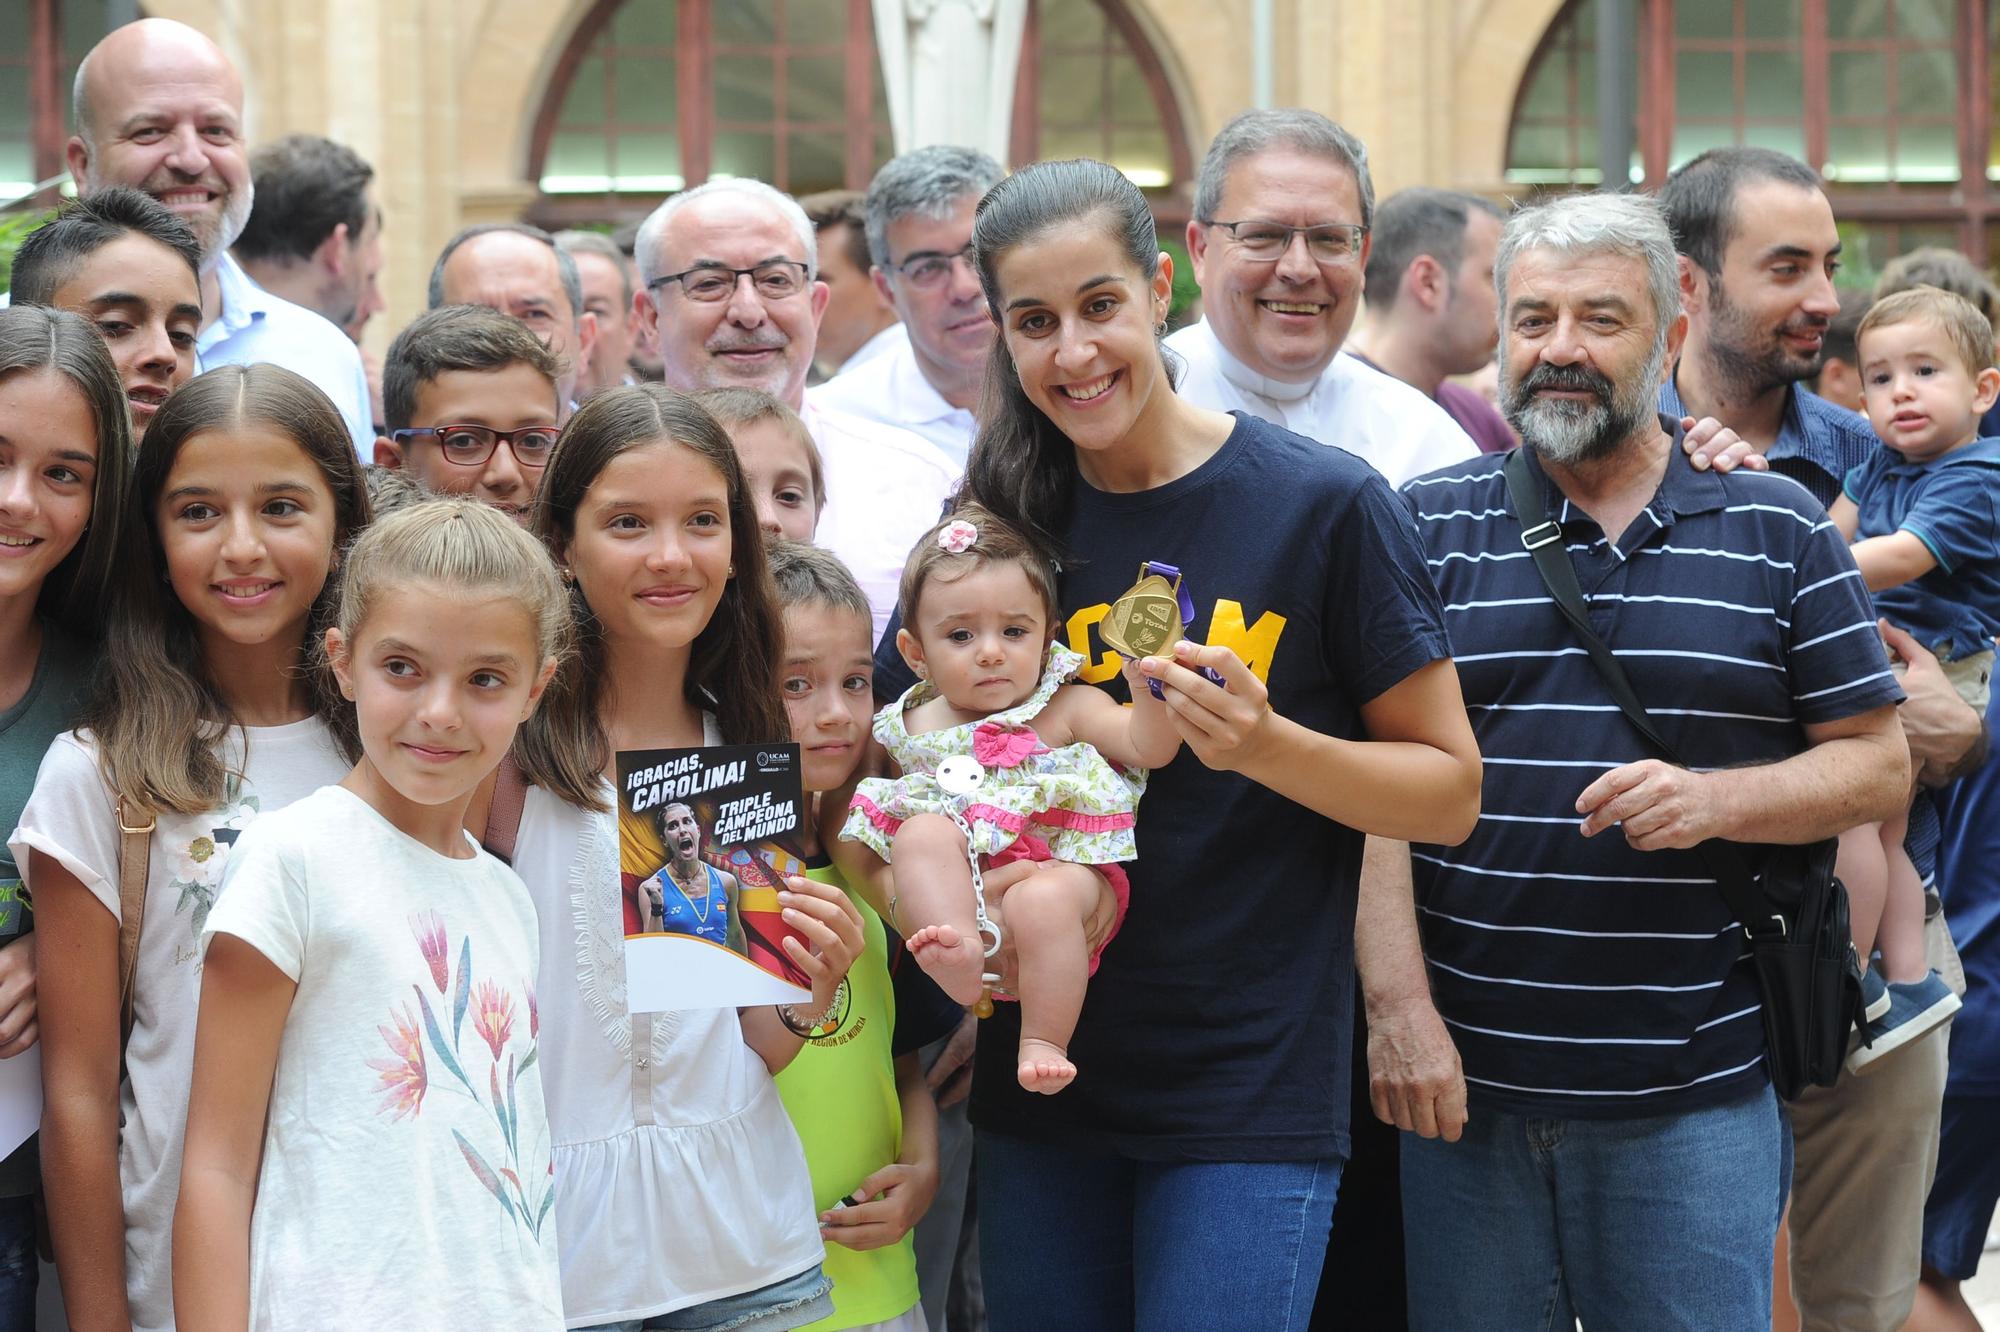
(1494, 51)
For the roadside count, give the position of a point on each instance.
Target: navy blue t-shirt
(1952, 505)
(1969, 881)
(1218, 1025)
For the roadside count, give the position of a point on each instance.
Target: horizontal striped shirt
(1578, 976)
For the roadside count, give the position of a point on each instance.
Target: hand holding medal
(1216, 703)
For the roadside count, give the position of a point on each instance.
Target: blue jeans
(1635, 1224)
(19, 1271)
(793, 1302)
(1083, 1240)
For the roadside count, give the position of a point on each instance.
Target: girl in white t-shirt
(366, 1140)
(207, 715)
(681, 1189)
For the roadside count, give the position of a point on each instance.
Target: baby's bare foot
(951, 959)
(1045, 1066)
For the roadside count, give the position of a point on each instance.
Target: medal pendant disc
(1146, 621)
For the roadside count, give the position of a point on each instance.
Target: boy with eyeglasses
(472, 407)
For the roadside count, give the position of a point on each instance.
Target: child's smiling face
(1922, 399)
(828, 677)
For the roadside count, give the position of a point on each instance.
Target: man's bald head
(159, 107)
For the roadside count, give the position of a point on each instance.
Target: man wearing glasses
(732, 299)
(470, 399)
(919, 221)
(1279, 241)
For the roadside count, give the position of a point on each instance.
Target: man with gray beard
(1623, 1157)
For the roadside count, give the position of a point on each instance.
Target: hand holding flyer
(706, 838)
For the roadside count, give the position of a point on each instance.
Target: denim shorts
(780, 1306)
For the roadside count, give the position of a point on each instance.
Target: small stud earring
(731, 573)
(567, 576)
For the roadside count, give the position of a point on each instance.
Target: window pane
(1540, 147)
(1705, 82)
(1857, 18)
(1061, 141)
(1771, 19)
(1071, 23)
(1548, 94)
(1706, 18)
(1131, 95)
(1787, 139)
(1691, 141)
(1072, 90)
(14, 30)
(585, 103)
(1926, 22)
(815, 89)
(644, 23)
(645, 161)
(1142, 155)
(1857, 153)
(574, 155)
(742, 88)
(815, 22)
(815, 162)
(1773, 85)
(744, 22)
(1857, 83)
(645, 91)
(1926, 152)
(1926, 83)
(739, 154)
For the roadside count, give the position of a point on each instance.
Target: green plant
(1186, 292)
(13, 230)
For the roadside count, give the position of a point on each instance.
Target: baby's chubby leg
(933, 898)
(1045, 914)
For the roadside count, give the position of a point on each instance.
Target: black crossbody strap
(1543, 538)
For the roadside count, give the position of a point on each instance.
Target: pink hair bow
(958, 536)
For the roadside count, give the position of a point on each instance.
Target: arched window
(1882, 97)
(655, 95)
(652, 96)
(1091, 85)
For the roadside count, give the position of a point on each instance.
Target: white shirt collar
(242, 301)
(1243, 377)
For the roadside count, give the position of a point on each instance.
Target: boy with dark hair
(122, 260)
(471, 405)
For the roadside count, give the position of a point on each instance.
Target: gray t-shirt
(47, 710)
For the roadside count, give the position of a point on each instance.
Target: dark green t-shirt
(47, 710)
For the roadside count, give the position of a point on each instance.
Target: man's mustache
(1568, 379)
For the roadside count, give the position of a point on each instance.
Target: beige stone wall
(441, 95)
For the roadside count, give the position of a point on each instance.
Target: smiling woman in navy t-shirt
(1188, 1180)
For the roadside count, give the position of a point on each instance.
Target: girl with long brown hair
(680, 1185)
(65, 467)
(208, 713)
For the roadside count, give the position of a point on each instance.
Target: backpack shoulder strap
(135, 859)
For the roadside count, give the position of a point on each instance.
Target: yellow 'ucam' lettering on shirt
(1256, 644)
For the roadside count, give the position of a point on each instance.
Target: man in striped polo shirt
(1624, 1158)
(1758, 253)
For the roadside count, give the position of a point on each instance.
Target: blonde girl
(354, 1158)
(681, 1190)
(208, 714)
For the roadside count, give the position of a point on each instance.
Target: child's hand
(822, 913)
(907, 1188)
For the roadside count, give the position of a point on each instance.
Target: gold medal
(1146, 620)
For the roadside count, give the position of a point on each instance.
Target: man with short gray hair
(519, 270)
(919, 222)
(1279, 240)
(1623, 1161)
(732, 299)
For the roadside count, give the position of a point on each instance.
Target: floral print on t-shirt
(199, 857)
(426, 1054)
